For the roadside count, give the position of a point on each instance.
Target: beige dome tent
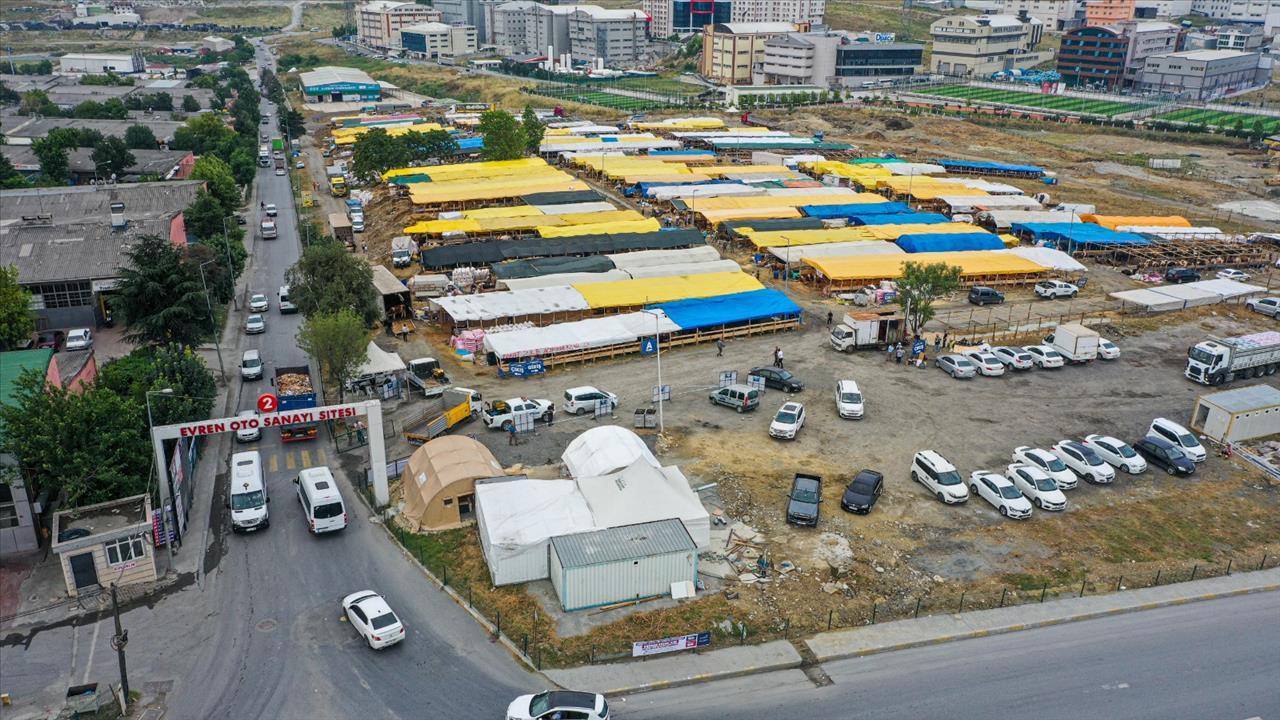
(439, 481)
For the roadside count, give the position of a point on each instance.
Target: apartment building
(686, 17)
(835, 60)
(378, 22)
(730, 51)
(979, 45)
(1108, 12)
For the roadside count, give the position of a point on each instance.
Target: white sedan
(1038, 487)
(255, 324)
(1001, 493)
(1049, 463)
(1107, 350)
(1233, 274)
(559, 705)
(1084, 462)
(259, 303)
(988, 364)
(1013, 357)
(1117, 452)
(788, 421)
(1044, 356)
(247, 434)
(373, 619)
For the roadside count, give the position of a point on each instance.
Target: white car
(585, 399)
(373, 619)
(1180, 437)
(1107, 350)
(1050, 289)
(939, 476)
(1049, 463)
(1232, 274)
(1269, 306)
(1039, 488)
(1014, 357)
(279, 171)
(1084, 462)
(559, 705)
(1001, 493)
(248, 434)
(79, 339)
(788, 421)
(271, 208)
(1117, 452)
(988, 364)
(849, 401)
(259, 303)
(957, 366)
(255, 324)
(1044, 356)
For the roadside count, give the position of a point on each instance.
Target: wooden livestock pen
(1196, 254)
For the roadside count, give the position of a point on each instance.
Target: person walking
(888, 353)
(780, 367)
(946, 337)
(830, 315)
(898, 352)
(937, 344)
(719, 347)
(777, 356)
(511, 434)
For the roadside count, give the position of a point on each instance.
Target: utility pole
(118, 641)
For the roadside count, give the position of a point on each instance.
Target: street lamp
(231, 268)
(657, 345)
(164, 486)
(212, 323)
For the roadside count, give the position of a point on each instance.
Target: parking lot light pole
(657, 346)
(217, 345)
(164, 486)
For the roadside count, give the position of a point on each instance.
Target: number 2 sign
(267, 403)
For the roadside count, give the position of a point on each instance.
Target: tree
(190, 104)
(221, 183)
(160, 297)
(201, 134)
(504, 139)
(292, 123)
(8, 96)
(533, 129)
(338, 342)
(10, 178)
(157, 368)
(16, 320)
(204, 216)
(431, 145)
(328, 279)
(376, 152)
(90, 445)
(52, 155)
(37, 102)
(139, 137)
(243, 166)
(1258, 131)
(111, 157)
(920, 285)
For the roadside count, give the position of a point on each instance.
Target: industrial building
(835, 60)
(98, 64)
(476, 13)
(432, 40)
(1203, 74)
(150, 164)
(24, 130)
(616, 37)
(979, 45)
(339, 84)
(1239, 414)
(378, 22)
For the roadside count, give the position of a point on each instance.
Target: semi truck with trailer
(1220, 360)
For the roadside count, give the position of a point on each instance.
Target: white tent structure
(605, 449)
(378, 361)
(643, 492)
(517, 517)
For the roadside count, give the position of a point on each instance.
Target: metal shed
(1239, 414)
(631, 562)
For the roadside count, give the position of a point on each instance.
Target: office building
(1093, 57)
(686, 17)
(1146, 38)
(1203, 74)
(378, 22)
(1149, 9)
(1245, 38)
(834, 60)
(730, 51)
(1255, 12)
(476, 13)
(979, 45)
(428, 41)
(618, 37)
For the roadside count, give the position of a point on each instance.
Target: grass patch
(910, 25)
(1221, 119)
(1053, 103)
(324, 16)
(273, 16)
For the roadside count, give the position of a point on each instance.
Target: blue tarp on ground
(913, 218)
(731, 309)
(994, 167)
(839, 211)
(949, 242)
(1080, 233)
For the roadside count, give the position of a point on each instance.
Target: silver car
(957, 366)
(255, 324)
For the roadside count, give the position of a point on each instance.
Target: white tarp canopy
(671, 192)
(643, 324)
(1221, 289)
(807, 191)
(1190, 295)
(513, 303)
(571, 208)
(378, 361)
(605, 449)
(1047, 257)
(600, 144)
(1173, 233)
(517, 517)
(970, 203)
(576, 335)
(994, 188)
(645, 258)
(910, 168)
(1004, 219)
(696, 268)
(1176, 297)
(1149, 298)
(698, 134)
(642, 492)
(857, 247)
(386, 283)
(574, 278)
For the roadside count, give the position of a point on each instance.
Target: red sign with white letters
(267, 403)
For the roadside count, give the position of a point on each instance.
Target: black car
(802, 501)
(1181, 275)
(778, 379)
(1164, 454)
(980, 295)
(862, 493)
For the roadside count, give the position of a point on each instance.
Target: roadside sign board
(756, 382)
(648, 346)
(671, 644)
(728, 377)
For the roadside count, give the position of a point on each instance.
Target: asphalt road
(1218, 659)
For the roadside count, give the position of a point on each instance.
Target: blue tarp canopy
(993, 167)
(913, 218)
(471, 143)
(839, 211)
(731, 309)
(949, 242)
(1080, 233)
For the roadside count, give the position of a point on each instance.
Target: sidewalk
(673, 671)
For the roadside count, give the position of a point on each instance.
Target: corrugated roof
(12, 364)
(329, 74)
(1243, 399)
(629, 542)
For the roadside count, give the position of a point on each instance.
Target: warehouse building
(617, 37)
(633, 562)
(98, 64)
(1237, 415)
(1203, 74)
(339, 84)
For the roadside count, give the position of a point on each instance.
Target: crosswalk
(291, 459)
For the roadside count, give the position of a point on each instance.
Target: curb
(703, 678)
(1051, 621)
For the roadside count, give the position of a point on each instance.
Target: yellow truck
(338, 186)
(458, 405)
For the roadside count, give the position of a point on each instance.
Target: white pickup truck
(505, 413)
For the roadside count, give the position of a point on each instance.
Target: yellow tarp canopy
(715, 217)
(500, 212)
(1010, 240)
(483, 225)
(633, 226)
(1115, 221)
(835, 167)
(347, 136)
(642, 291)
(595, 218)
(675, 124)
(893, 232)
(463, 170)
(973, 263)
(796, 238)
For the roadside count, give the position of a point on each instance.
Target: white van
(934, 472)
(321, 501)
(1181, 438)
(849, 400)
(248, 500)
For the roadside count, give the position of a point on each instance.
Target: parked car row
(995, 361)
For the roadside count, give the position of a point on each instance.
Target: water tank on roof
(118, 221)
